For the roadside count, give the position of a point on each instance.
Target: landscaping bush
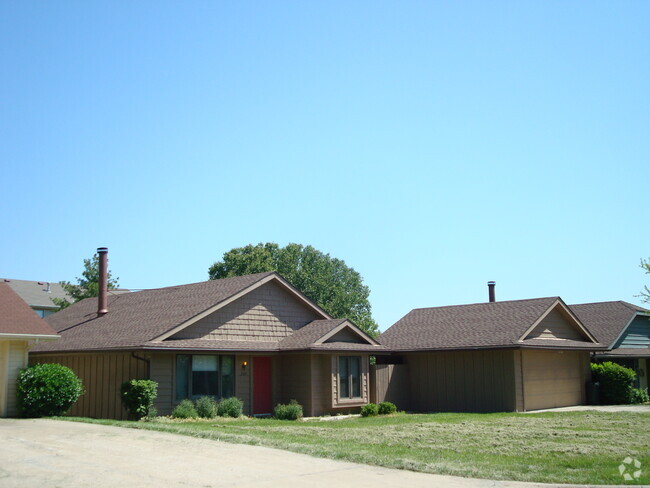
(370, 410)
(206, 407)
(185, 410)
(45, 390)
(640, 395)
(288, 411)
(230, 407)
(386, 408)
(616, 382)
(138, 396)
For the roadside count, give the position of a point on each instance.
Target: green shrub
(138, 396)
(616, 382)
(640, 395)
(44, 390)
(185, 410)
(387, 408)
(206, 407)
(230, 407)
(288, 411)
(151, 415)
(370, 410)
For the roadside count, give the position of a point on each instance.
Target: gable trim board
(567, 312)
(238, 295)
(347, 325)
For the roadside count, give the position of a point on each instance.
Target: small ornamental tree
(46, 390)
(138, 396)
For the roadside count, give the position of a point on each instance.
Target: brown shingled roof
(134, 319)
(16, 317)
(143, 319)
(607, 319)
(479, 325)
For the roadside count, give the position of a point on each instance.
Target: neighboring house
(625, 329)
(39, 294)
(255, 337)
(20, 328)
(487, 357)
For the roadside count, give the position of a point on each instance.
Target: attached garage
(517, 355)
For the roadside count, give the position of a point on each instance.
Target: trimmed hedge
(289, 411)
(45, 390)
(206, 407)
(387, 408)
(230, 407)
(616, 382)
(138, 396)
(185, 410)
(370, 410)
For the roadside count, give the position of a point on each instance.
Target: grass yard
(567, 447)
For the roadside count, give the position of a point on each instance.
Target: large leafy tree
(645, 293)
(327, 281)
(87, 286)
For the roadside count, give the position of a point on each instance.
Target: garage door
(552, 379)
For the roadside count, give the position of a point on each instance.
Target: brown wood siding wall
(296, 380)
(556, 326)
(390, 383)
(102, 374)
(267, 313)
(462, 381)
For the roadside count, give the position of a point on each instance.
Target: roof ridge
(487, 303)
(260, 275)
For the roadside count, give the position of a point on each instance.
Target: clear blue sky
(433, 146)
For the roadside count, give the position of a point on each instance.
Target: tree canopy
(87, 286)
(335, 287)
(645, 293)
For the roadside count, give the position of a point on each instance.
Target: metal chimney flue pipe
(102, 298)
(491, 285)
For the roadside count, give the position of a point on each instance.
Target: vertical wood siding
(461, 381)
(102, 374)
(296, 380)
(390, 383)
(268, 313)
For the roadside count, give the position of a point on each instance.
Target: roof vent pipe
(102, 299)
(491, 285)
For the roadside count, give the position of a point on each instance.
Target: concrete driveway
(50, 453)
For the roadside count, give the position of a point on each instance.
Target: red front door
(262, 394)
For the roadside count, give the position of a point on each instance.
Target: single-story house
(255, 337)
(625, 329)
(497, 356)
(20, 328)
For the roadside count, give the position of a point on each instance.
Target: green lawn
(568, 447)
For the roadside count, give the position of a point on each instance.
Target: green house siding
(637, 334)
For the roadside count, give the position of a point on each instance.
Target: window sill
(350, 402)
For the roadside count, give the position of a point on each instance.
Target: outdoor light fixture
(243, 365)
